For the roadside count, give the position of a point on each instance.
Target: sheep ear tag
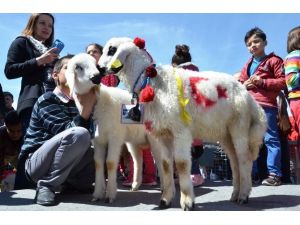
(132, 114)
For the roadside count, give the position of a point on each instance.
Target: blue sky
(215, 39)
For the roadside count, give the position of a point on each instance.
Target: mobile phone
(59, 45)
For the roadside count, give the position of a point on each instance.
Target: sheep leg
(234, 165)
(100, 184)
(168, 190)
(137, 158)
(240, 140)
(112, 160)
(245, 166)
(183, 165)
(155, 147)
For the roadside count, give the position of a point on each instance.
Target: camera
(59, 45)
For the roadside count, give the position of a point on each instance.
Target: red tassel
(139, 42)
(151, 71)
(147, 94)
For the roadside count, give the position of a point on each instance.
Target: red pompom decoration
(139, 42)
(110, 80)
(151, 72)
(147, 94)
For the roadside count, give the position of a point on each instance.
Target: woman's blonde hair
(29, 29)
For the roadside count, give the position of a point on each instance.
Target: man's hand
(87, 101)
(48, 57)
(249, 85)
(256, 80)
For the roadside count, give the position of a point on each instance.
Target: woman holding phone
(31, 57)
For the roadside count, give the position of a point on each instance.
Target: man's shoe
(272, 180)
(44, 196)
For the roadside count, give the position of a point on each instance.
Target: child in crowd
(264, 79)
(2, 106)
(9, 100)
(11, 140)
(292, 79)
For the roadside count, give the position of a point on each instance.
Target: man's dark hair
(12, 118)
(59, 63)
(255, 31)
(182, 55)
(7, 93)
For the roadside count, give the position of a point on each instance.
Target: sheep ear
(71, 82)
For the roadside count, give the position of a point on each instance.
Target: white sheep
(181, 105)
(110, 134)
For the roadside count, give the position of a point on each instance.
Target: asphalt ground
(212, 196)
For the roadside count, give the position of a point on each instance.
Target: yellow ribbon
(185, 116)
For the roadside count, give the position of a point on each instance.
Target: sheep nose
(102, 70)
(96, 79)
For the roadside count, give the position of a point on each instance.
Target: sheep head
(126, 58)
(82, 73)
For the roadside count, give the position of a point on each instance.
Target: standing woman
(30, 58)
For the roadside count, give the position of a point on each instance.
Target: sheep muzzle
(96, 79)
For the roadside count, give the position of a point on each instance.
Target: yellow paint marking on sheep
(116, 64)
(184, 115)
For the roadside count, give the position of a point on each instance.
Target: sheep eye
(111, 51)
(78, 67)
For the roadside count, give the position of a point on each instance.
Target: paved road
(212, 196)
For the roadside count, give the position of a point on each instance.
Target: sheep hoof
(243, 201)
(187, 208)
(234, 197)
(163, 205)
(108, 200)
(233, 200)
(133, 189)
(95, 199)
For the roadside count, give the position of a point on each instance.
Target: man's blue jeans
(272, 143)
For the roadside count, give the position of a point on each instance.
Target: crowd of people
(46, 142)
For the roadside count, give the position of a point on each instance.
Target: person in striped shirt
(292, 75)
(56, 149)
